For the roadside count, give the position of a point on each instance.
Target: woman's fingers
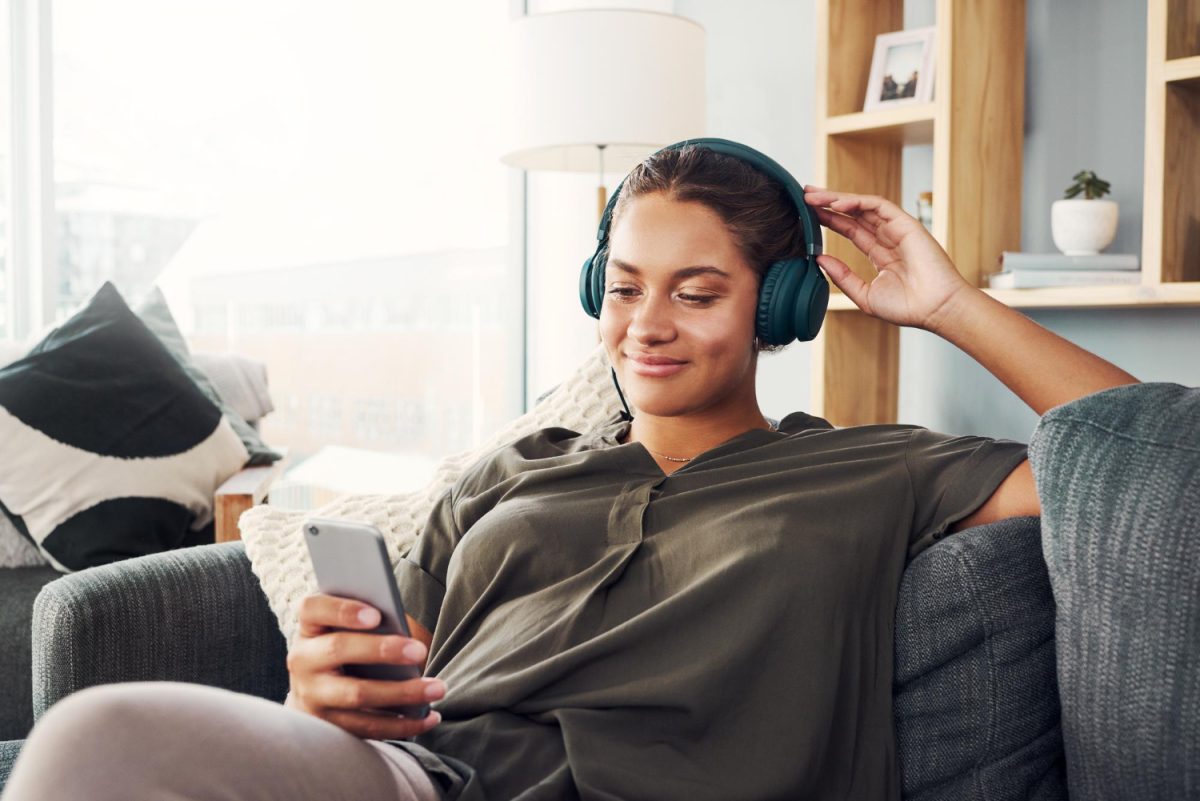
(336, 648)
(334, 691)
(884, 208)
(382, 725)
(852, 208)
(319, 612)
(846, 280)
(848, 206)
(876, 211)
(848, 227)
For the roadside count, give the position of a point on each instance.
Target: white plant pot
(1082, 227)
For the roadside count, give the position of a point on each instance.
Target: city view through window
(315, 186)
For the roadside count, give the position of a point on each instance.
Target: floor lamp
(601, 89)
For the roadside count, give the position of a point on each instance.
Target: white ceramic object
(1082, 227)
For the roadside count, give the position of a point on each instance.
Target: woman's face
(679, 306)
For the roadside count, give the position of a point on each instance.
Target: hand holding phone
(346, 671)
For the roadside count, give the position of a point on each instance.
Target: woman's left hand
(917, 283)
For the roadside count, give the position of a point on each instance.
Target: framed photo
(901, 69)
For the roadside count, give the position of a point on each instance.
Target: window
(7, 310)
(314, 185)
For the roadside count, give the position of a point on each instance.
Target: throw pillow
(274, 537)
(241, 382)
(1118, 472)
(15, 549)
(111, 450)
(155, 313)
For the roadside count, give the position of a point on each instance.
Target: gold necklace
(774, 427)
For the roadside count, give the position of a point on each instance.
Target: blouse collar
(616, 427)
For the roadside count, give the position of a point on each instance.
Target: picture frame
(902, 69)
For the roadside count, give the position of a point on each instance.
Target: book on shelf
(1024, 279)
(1015, 260)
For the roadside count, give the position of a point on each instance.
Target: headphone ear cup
(597, 273)
(590, 289)
(791, 302)
(766, 295)
(812, 299)
(776, 299)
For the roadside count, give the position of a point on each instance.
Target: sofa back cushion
(976, 707)
(111, 451)
(1118, 473)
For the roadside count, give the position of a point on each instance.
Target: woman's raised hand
(916, 282)
(319, 687)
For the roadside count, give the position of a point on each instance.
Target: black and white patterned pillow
(109, 451)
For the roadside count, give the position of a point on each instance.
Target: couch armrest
(244, 489)
(193, 614)
(1117, 474)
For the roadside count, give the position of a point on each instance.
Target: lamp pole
(602, 192)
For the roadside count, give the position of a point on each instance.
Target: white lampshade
(630, 80)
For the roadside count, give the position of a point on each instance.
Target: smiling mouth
(655, 366)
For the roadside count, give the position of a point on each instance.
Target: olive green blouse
(606, 631)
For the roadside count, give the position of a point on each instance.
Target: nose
(651, 320)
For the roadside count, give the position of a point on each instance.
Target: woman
(693, 603)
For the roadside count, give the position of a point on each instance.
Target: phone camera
(313, 530)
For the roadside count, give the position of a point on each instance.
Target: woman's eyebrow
(685, 272)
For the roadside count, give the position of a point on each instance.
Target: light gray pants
(170, 741)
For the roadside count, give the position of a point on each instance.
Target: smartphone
(350, 560)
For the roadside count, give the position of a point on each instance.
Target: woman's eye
(629, 293)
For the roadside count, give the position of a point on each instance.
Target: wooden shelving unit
(975, 126)
(1171, 208)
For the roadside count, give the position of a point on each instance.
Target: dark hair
(757, 210)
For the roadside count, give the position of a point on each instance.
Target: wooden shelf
(1101, 297)
(1186, 294)
(908, 125)
(1181, 69)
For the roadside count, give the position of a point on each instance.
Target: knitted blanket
(274, 537)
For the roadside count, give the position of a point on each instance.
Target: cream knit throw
(274, 539)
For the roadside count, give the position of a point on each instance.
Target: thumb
(845, 279)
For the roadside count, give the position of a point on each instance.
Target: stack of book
(1021, 270)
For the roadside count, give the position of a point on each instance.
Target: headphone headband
(768, 165)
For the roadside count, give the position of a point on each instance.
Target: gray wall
(1085, 105)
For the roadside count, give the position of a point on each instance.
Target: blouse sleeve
(951, 477)
(421, 572)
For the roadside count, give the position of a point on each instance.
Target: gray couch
(241, 383)
(1045, 659)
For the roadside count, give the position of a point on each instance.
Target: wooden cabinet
(975, 127)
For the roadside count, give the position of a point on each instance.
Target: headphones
(794, 293)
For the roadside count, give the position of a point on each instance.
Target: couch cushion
(8, 756)
(20, 587)
(1118, 472)
(975, 703)
(111, 450)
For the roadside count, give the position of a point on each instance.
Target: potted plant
(1084, 225)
